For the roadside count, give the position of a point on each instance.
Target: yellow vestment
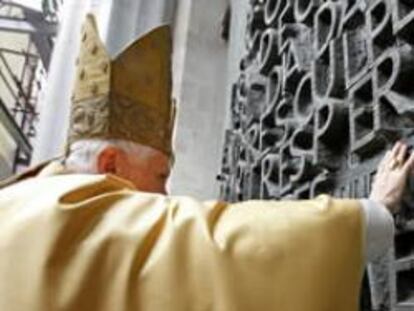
(90, 242)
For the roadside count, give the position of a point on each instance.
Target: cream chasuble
(90, 242)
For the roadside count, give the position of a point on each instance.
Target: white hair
(83, 154)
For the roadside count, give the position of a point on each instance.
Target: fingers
(385, 161)
(401, 153)
(396, 149)
(409, 164)
(396, 158)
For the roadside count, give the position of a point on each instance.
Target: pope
(97, 231)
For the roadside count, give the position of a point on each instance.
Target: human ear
(107, 160)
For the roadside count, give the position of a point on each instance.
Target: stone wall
(322, 89)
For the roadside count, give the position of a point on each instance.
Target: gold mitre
(128, 97)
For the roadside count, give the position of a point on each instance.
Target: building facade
(319, 91)
(27, 31)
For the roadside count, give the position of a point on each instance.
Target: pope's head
(122, 114)
(147, 168)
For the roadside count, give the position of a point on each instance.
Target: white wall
(200, 74)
